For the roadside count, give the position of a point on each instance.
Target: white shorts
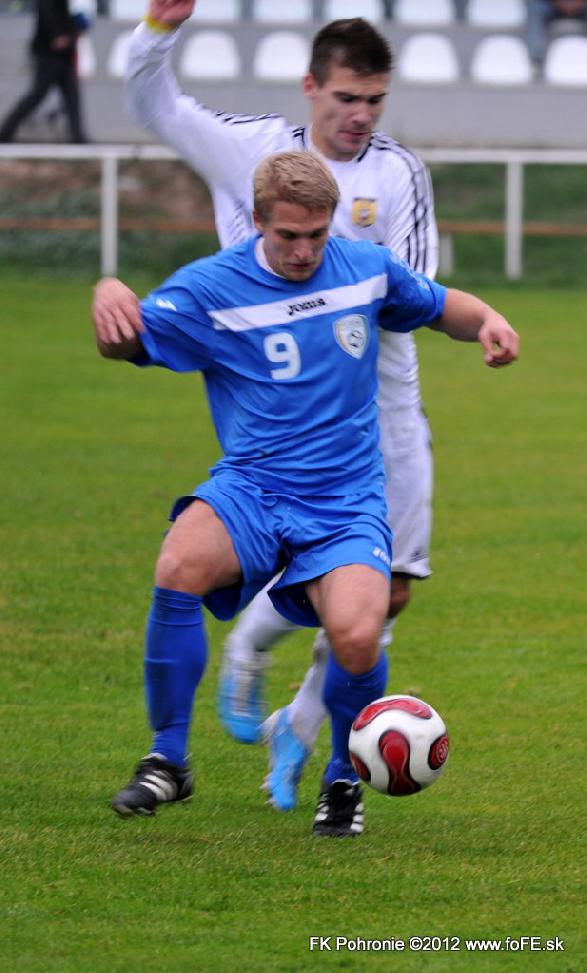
(406, 445)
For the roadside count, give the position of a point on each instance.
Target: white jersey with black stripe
(386, 195)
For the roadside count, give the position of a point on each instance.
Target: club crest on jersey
(352, 334)
(364, 211)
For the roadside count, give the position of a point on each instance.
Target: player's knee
(175, 572)
(356, 645)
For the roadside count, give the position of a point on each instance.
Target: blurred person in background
(551, 18)
(53, 48)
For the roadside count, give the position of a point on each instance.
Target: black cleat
(156, 781)
(339, 813)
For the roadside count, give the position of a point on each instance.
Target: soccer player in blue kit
(284, 329)
(385, 197)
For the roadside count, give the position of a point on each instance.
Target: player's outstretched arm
(220, 153)
(170, 13)
(466, 318)
(117, 319)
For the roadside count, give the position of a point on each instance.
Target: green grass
(93, 453)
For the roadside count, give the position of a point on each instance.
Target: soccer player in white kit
(385, 198)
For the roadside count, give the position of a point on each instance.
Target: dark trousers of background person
(50, 70)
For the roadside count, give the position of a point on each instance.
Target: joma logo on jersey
(352, 334)
(364, 211)
(306, 306)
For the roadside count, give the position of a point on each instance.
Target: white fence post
(514, 219)
(109, 216)
(446, 254)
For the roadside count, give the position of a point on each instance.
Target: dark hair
(353, 44)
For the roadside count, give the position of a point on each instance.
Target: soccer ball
(398, 745)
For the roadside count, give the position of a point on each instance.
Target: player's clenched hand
(466, 318)
(116, 312)
(170, 12)
(500, 342)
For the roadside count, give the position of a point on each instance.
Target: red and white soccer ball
(398, 745)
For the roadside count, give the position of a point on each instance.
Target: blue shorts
(301, 537)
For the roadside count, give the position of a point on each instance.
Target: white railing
(109, 156)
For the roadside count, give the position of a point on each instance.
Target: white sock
(306, 711)
(259, 627)
(386, 634)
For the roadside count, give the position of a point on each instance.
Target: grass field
(93, 453)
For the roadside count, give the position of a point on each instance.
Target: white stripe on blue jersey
(336, 299)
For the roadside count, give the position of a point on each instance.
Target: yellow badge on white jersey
(364, 211)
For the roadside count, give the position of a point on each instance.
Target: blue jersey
(290, 367)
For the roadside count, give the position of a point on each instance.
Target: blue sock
(176, 652)
(344, 696)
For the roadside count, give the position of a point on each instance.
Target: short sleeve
(412, 299)
(179, 333)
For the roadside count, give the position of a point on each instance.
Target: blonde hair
(293, 177)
